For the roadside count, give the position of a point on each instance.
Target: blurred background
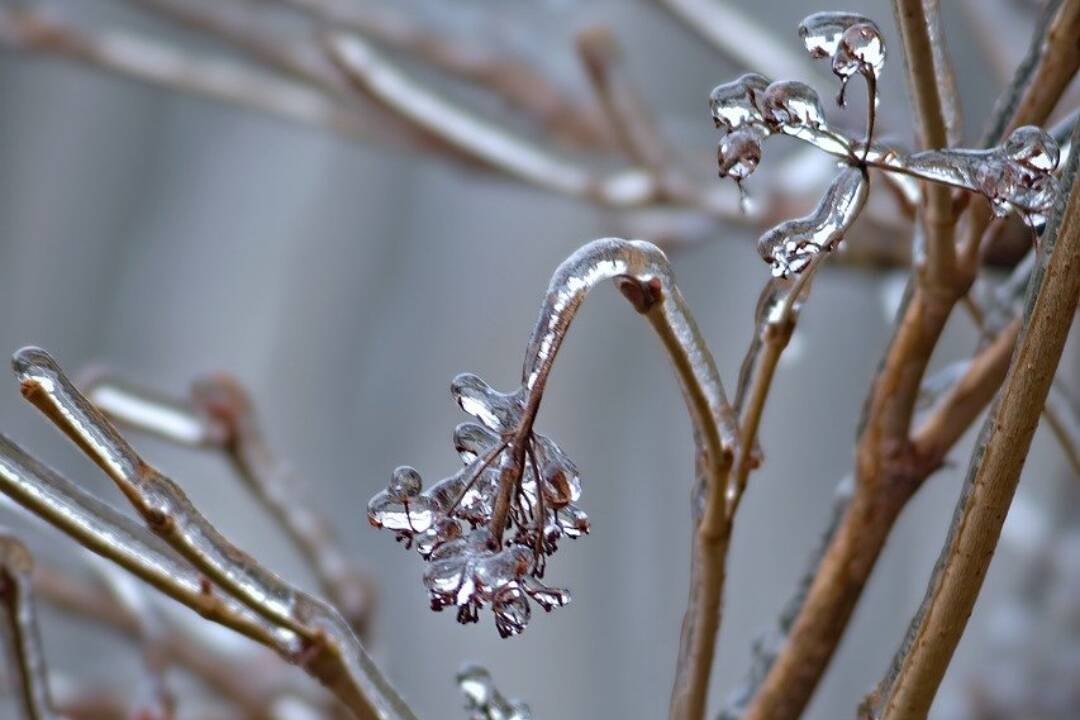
(347, 279)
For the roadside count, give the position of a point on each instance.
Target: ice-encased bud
(735, 104)
(792, 245)
(861, 50)
(792, 103)
(498, 411)
(739, 152)
(483, 701)
(821, 32)
(1033, 148)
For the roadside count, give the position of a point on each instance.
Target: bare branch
(937, 114)
(514, 79)
(909, 687)
(484, 142)
(328, 648)
(17, 598)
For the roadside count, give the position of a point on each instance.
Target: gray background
(167, 235)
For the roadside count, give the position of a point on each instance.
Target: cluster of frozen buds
(1016, 176)
(487, 529)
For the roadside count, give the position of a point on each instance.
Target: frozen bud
(1034, 148)
(472, 440)
(792, 103)
(404, 483)
(739, 153)
(862, 49)
(822, 31)
(735, 104)
(498, 411)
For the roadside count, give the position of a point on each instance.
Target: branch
(327, 647)
(937, 113)
(909, 688)
(162, 64)
(627, 114)
(221, 416)
(17, 598)
(513, 79)
(483, 142)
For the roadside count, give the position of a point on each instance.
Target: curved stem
(644, 276)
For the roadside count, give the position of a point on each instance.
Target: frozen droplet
(546, 597)
(739, 152)
(1033, 148)
(861, 50)
(498, 411)
(404, 483)
(561, 481)
(512, 612)
(792, 245)
(735, 104)
(822, 31)
(789, 102)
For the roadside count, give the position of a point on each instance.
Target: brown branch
(933, 89)
(221, 416)
(909, 688)
(17, 599)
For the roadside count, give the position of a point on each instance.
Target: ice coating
(483, 701)
(792, 245)
(1015, 176)
(821, 32)
(487, 530)
(852, 42)
(739, 152)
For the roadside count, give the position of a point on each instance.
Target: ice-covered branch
(318, 638)
(221, 416)
(17, 598)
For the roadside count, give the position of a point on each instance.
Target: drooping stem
(330, 650)
(909, 687)
(17, 599)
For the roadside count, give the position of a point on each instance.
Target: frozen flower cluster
(487, 530)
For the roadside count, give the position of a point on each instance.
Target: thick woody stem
(908, 689)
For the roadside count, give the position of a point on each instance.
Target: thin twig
(937, 115)
(484, 142)
(512, 78)
(909, 687)
(17, 599)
